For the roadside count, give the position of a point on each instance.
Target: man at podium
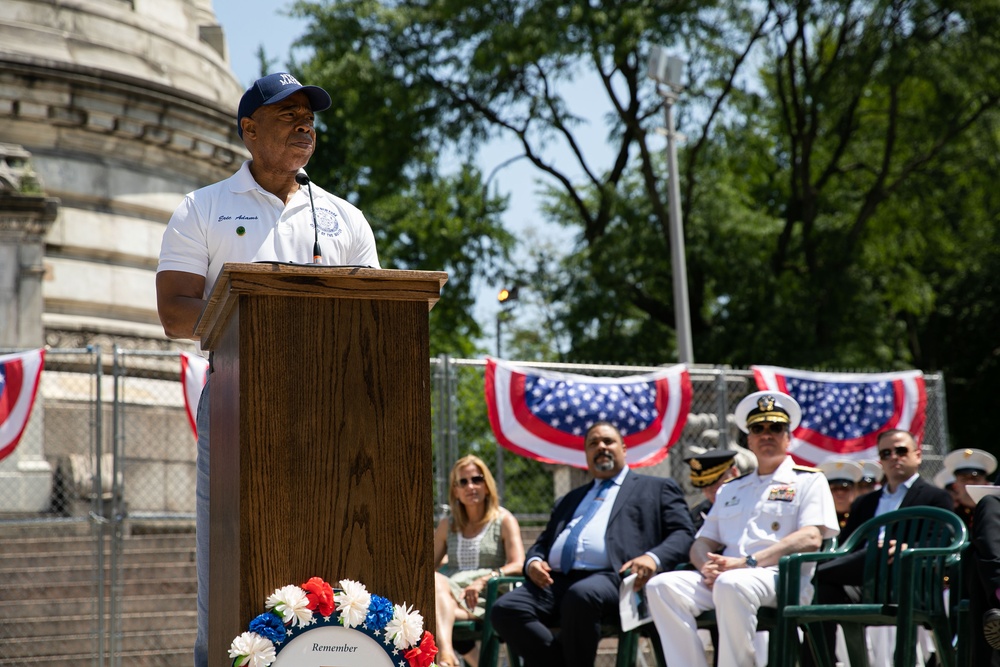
(267, 211)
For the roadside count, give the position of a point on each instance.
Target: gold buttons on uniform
(775, 526)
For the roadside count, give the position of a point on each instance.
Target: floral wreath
(292, 609)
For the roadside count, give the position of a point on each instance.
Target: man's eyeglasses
(900, 451)
(475, 479)
(757, 429)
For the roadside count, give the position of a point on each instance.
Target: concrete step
(28, 589)
(45, 627)
(166, 649)
(14, 546)
(70, 559)
(63, 606)
(85, 572)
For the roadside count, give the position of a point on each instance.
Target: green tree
(830, 212)
(379, 146)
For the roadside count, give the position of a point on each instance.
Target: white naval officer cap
(839, 469)
(767, 406)
(974, 461)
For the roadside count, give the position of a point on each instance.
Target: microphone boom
(303, 179)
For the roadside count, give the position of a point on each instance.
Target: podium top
(307, 280)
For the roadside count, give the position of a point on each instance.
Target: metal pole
(498, 475)
(682, 310)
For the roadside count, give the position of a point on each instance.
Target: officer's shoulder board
(806, 469)
(734, 479)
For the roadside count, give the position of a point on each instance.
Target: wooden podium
(320, 436)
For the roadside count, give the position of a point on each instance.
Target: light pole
(667, 71)
(504, 297)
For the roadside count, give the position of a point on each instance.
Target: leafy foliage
(836, 186)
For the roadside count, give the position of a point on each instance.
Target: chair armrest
(790, 572)
(493, 587)
(489, 638)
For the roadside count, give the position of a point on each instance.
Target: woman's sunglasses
(475, 479)
(757, 429)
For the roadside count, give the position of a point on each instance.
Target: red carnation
(320, 596)
(422, 655)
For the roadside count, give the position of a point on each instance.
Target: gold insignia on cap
(695, 464)
(702, 478)
(967, 453)
(765, 403)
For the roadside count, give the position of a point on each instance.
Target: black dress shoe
(991, 628)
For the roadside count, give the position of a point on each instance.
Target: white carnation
(352, 603)
(406, 626)
(292, 604)
(252, 650)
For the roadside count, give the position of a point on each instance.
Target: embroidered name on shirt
(223, 218)
(784, 494)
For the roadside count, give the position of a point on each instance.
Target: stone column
(24, 221)
(25, 475)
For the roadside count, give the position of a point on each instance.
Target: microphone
(302, 178)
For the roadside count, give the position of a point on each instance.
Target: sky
(249, 24)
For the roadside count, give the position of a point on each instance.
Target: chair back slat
(919, 529)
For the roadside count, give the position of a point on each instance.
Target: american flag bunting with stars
(194, 374)
(20, 374)
(543, 415)
(843, 413)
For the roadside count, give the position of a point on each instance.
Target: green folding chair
(482, 629)
(904, 588)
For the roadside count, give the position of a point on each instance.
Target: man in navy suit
(900, 457)
(621, 521)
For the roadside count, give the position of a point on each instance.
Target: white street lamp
(667, 71)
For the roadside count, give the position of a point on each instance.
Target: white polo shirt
(236, 220)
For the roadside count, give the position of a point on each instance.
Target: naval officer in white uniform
(781, 508)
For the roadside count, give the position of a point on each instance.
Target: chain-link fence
(97, 500)
(54, 499)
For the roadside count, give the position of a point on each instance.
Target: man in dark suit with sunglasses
(620, 522)
(900, 457)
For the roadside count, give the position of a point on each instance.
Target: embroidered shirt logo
(328, 222)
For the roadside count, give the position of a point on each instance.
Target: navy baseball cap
(272, 89)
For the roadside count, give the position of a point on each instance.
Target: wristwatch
(751, 561)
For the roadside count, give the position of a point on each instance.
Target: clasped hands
(643, 567)
(716, 564)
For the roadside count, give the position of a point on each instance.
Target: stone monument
(110, 111)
